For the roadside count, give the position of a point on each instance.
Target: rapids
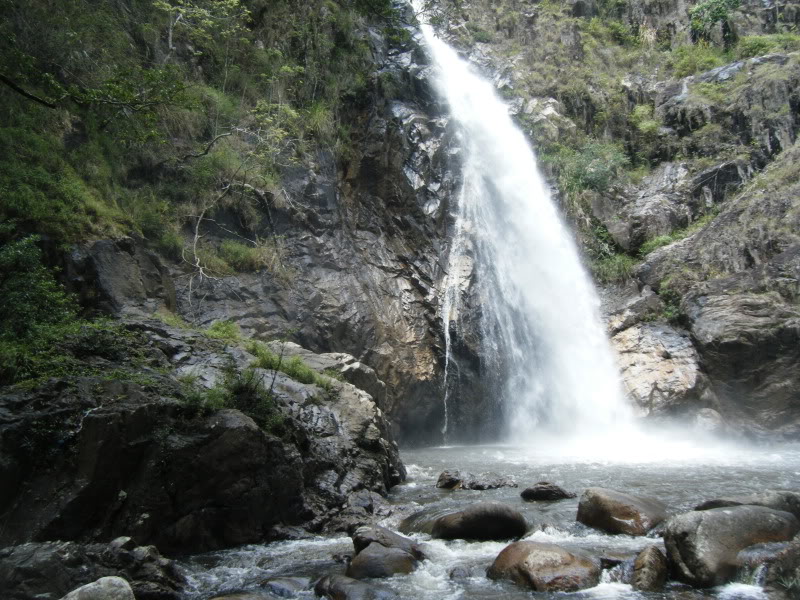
(680, 482)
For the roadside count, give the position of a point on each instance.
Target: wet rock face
(545, 567)
(54, 569)
(484, 521)
(618, 512)
(124, 457)
(703, 546)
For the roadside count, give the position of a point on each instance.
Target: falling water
(541, 331)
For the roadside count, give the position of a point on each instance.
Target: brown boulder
(649, 570)
(545, 567)
(377, 560)
(617, 512)
(546, 491)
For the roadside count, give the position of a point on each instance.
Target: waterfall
(542, 337)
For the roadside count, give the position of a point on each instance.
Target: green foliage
(708, 13)
(478, 33)
(672, 302)
(294, 366)
(678, 234)
(171, 319)
(594, 166)
(224, 330)
(615, 267)
(759, 45)
(241, 390)
(696, 58)
(642, 118)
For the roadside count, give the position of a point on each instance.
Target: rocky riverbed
(699, 524)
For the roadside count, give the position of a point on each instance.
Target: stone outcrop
(703, 546)
(484, 521)
(121, 455)
(545, 567)
(618, 512)
(55, 569)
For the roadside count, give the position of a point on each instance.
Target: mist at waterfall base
(543, 344)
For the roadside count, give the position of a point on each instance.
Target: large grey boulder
(105, 588)
(617, 512)
(775, 499)
(484, 521)
(703, 546)
(545, 567)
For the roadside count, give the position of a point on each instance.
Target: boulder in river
(617, 512)
(546, 491)
(453, 480)
(775, 499)
(340, 587)
(545, 567)
(287, 587)
(649, 570)
(376, 560)
(364, 536)
(483, 521)
(105, 588)
(703, 546)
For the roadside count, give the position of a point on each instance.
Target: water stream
(681, 483)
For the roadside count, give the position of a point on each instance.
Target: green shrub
(758, 45)
(224, 330)
(612, 268)
(696, 58)
(293, 366)
(594, 166)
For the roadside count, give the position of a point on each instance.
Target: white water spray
(540, 319)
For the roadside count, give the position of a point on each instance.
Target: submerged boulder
(484, 521)
(545, 567)
(617, 512)
(703, 546)
(453, 480)
(546, 491)
(775, 499)
(340, 587)
(649, 570)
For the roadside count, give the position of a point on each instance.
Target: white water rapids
(540, 321)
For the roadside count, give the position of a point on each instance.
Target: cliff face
(671, 144)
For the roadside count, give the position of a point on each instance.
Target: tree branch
(22, 92)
